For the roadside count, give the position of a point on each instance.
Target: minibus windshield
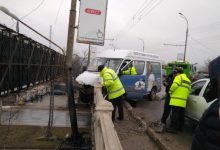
(108, 62)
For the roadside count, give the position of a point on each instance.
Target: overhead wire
(194, 52)
(135, 17)
(131, 19)
(198, 42)
(210, 38)
(144, 8)
(140, 15)
(30, 12)
(201, 44)
(33, 10)
(205, 50)
(55, 22)
(147, 13)
(141, 8)
(208, 26)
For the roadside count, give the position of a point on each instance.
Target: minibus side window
(139, 66)
(156, 68)
(124, 66)
(114, 63)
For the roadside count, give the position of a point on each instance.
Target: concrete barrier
(106, 137)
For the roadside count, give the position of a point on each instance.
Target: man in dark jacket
(166, 111)
(207, 134)
(168, 82)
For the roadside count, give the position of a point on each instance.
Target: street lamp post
(6, 11)
(187, 30)
(142, 42)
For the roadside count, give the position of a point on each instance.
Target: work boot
(171, 130)
(119, 118)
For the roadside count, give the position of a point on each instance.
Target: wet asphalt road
(151, 111)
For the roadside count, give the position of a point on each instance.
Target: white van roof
(127, 54)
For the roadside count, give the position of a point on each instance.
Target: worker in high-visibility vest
(130, 71)
(179, 92)
(114, 88)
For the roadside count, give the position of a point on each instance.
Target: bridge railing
(25, 62)
(106, 137)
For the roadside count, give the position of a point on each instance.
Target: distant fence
(25, 62)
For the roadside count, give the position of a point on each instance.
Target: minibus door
(133, 84)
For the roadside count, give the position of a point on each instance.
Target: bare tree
(79, 63)
(85, 58)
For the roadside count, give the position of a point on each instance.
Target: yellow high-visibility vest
(112, 82)
(179, 91)
(130, 71)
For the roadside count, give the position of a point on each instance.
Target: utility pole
(50, 120)
(0, 110)
(75, 138)
(187, 30)
(89, 55)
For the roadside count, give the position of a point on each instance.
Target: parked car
(60, 89)
(199, 75)
(197, 103)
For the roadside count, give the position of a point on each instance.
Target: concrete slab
(37, 113)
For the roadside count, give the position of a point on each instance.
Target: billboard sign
(92, 18)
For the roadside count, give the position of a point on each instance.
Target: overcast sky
(157, 23)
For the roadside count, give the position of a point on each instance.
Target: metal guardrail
(106, 137)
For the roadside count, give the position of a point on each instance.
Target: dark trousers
(117, 103)
(167, 109)
(177, 117)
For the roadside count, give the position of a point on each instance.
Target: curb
(148, 129)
